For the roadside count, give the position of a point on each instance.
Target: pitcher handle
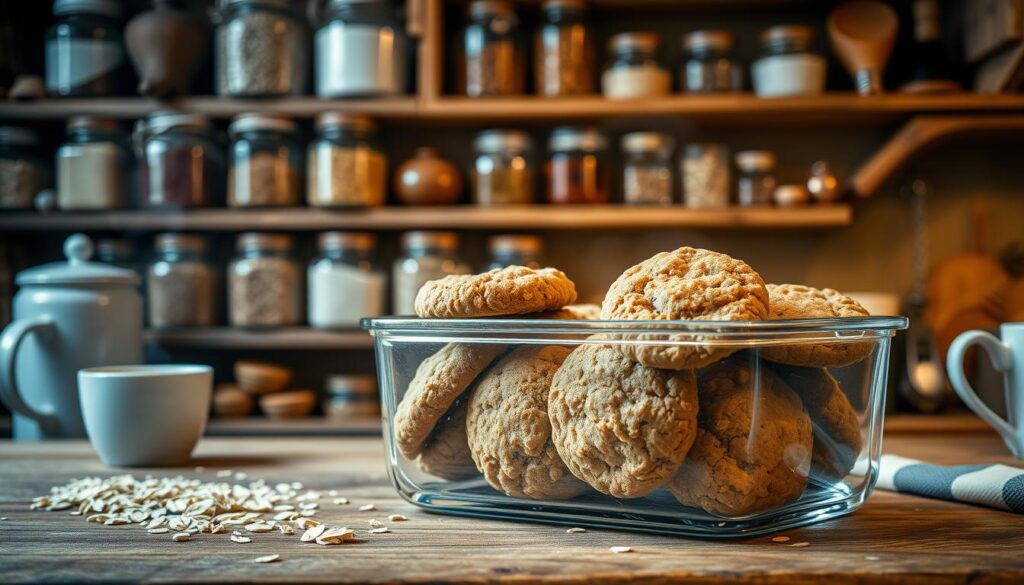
(1002, 361)
(10, 342)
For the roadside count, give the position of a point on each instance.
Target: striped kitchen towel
(995, 486)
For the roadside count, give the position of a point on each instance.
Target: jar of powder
(182, 286)
(579, 167)
(494, 60)
(93, 165)
(360, 50)
(343, 284)
(180, 160)
(503, 168)
(790, 64)
(705, 171)
(262, 49)
(23, 171)
(265, 162)
(345, 165)
(84, 48)
(265, 282)
(634, 69)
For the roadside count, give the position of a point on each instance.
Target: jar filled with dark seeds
(265, 163)
(181, 284)
(181, 160)
(262, 49)
(265, 282)
(495, 62)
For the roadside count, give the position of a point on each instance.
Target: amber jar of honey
(578, 169)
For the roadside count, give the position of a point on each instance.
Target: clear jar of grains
(265, 162)
(264, 282)
(343, 284)
(564, 51)
(23, 171)
(634, 69)
(93, 165)
(181, 284)
(425, 256)
(494, 62)
(181, 161)
(755, 182)
(515, 250)
(503, 168)
(705, 171)
(345, 165)
(709, 64)
(262, 49)
(647, 168)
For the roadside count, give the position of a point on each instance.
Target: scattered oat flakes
(258, 527)
(218, 529)
(313, 533)
(162, 530)
(296, 485)
(240, 539)
(306, 506)
(182, 537)
(116, 521)
(621, 549)
(367, 507)
(781, 539)
(241, 476)
(200, 469)
(380, 530)
(800, 544)
(4, 518)
(224, 473)
(332, 493)
(267, 559)
(871, 558)
(341, 501)
(374, 523)
(284, 508)
(285, 529)
(306, 523)
(397, 518)
(576, 530)
(286, 515)
(336, 536)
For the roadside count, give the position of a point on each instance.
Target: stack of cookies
(731, 432)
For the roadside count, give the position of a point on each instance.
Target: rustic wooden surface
(893, 539)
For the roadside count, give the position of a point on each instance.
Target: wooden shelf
(534, 217)
(303, 427)
(269, 339)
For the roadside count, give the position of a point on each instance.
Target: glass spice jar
(93, 165)
(182, 286)
(343, 284)
(789, 63)
(425, 256)
(265, 162)
(23, 170)
(503, 168)
(181, 161)
(705, 171)
(494, 63)
(647, 168)
(84, 49)
(262, 49)
(119, 252)
(264, 282)
(515, 250)
(345, 165)
(755, 181)
(578, 168)
(360, 50)
(709, 62)
(564, 49)
(634, 69)
(351, 396)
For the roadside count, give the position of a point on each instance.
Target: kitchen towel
(995, 486)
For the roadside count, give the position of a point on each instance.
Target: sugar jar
(343, 284)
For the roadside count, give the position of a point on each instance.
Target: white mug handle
(1002, 361)
(10, 343)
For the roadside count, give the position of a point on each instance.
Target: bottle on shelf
(515, 250)
(426, 255)
(933, 72)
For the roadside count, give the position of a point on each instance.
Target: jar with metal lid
(755, 181)
(343, 283)
(515, 250)
(182, 285)
(705, 171)
(494, 63)
(119, 252)
(23, 170)
(789, 64)
(564, 49)
(181, 161)
(265, 162)
(93, 165)
(345, 165)
(85, 53)
(351, 396)
(579, 167)
(647, 168)
(503, 168)
(360, 50)
(425, 256)
(634, 68)
(262, 48)
(709, 64)
(265, 282)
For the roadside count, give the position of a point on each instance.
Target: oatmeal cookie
(795, 301)
(513, 290)
(446, 453)
(581, 312)
(509, 432)
(686, 284)
(621, 427)
(753, 446)
(837, 439)
(439, 380)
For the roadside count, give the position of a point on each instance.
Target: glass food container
(265, 282)
(515, 250)
(84, 49)
(345, 165)
(634, 69)
(762, 451)
(503, 168)
(494, 63)
(755, 181)
(789, 64)
(93, 165)
(23, 171)
(262, 49)
(425, 256)
(647, 168)
(343, 284)
(351, 396)
(709, 64)
(265, 162)
(182, 286)
(564, 49)
(360, 50)
(181, 161)
(579, 166)
(705, 169)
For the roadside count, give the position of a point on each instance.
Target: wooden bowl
(230, 402)
(260, 377)
(290, 404)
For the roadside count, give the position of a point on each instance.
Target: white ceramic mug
(1008, 358)
(145, 415)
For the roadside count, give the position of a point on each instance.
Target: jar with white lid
(181, 284)
(705, 169)
(351, 396)
(264, 282)
(494, 62)
(515, 250)
(647, 168)
(564, 49)
(502, 171)
(265, 162)
(23, 170)
(360, 50)
(789, 64)
(635, 70)
(343, 283)
(709, 63)
(262, 48)
(345, 165)
(85, 55)
(93, 165)
(425, 256)
(755, 181)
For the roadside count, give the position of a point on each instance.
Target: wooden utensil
(862, 33)
(290, 404)
(261, 378)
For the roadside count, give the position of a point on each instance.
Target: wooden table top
(893, 539)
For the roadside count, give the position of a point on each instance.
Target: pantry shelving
(292, 338)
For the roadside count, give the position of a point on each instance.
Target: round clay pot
(166, 44)
(428, 179)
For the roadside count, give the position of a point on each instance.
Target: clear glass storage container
(345, 165)
(494, 63)
(181, 161)
(635, 69)
(343, 283)
(265, 162)
(744, 446)
(755, 181)
(647, 168)
(564, 49)
(262, 49)
(265, 282)
(425, 256)
(709, 62)
(23, 171)
(705, 170)
(84, 49)
(360, 50)
(515, 250)
(93, 165)
(502, 171)
(182, 286)
(579, 167)
(790, 63)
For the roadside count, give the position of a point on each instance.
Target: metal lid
(787, 32)
(158, 122)
(484, 8)
(502, 141)
(755, 160)
(250, 122)
(346, 121)
(347, 240)
(351, 384)
(18, 135)
(264, 241)
(646, 142)
(515, 244)
(635, 41)
(425, 239)
(180, 242)
(709, 39)
(78, 248)
(572, 138)
(92, 123)
(111, 8)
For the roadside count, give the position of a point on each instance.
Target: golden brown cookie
(581, 312)
(686, 284)
(796, 301)
(439, 380)
(446, 453)
(837, 438)
(753, 447)
(514, 290)
(619, 426)
(508, 428)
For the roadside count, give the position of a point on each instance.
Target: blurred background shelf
(304, 427)
(270, 339)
